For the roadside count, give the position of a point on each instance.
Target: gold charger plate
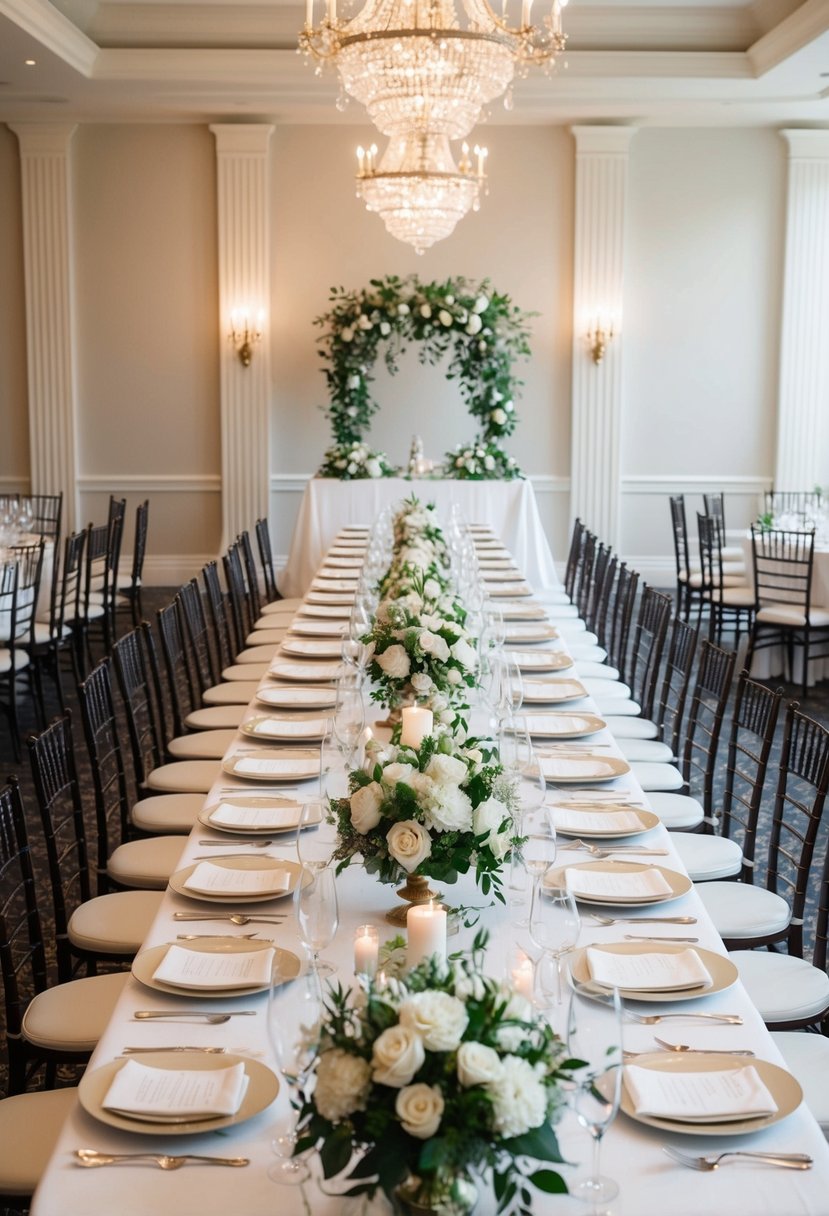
(540, 660)
(251, 802)
(563, 725)
(529, 632)
(340, 561)
(285, 730)
(322, 582)
(145, 964)
(721, 969)
(495, 577)
(523, 612)
(647, 821)
(178, 879)
(323, 628)
(781, 1085)
(323, 671)
(680, 884)
(297, 697)
(312, 648)
(296, 764)
(263, 1086)
(508, 591)
(552, 692)
(330, 597)
(581, 767)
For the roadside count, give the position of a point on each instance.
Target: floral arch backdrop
(480, 330)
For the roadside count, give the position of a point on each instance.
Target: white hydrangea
(519, 1099)
(343, 1084)
(439, 1018)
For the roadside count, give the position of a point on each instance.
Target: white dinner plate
(781, 1085)
(312, 648)
(680, 884)
(282, 764)
(252, 802)
(336, 628)
(539, 660)
(305, 673)
(286, 730)
(509, 591)
(335, 561)
(293, 868)
(263, 1087)
(500, 575)
(580, 768)
(551, 692)
(324, 583)
(145, 965)
(561, 725)
(288, 697)
(529, 631)
(491, 564)
(721, 969)
(647, 821)
(523, 612)
(329, 612)
(340, 598)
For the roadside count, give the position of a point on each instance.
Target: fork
(790, 1161)
(235, 918)
(253, 844)
(90, 1158)
(602, 851)
(651, 1019)
(642, 920)
(214, 1019)
(704, 1050)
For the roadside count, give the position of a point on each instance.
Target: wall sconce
(243, 336)
(598, 336)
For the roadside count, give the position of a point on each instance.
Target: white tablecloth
(508, 507)
(651, 1184)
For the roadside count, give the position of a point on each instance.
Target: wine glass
(317, 913)
(349, 719)
(595, 1038)
(538, 850)
(293, 1015)
(554, 927)
(317, 836)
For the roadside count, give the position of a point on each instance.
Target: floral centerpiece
(481, 460)
(437, 811)
(353, 461)
(426, 1079)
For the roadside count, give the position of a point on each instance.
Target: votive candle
(426, 927)
(366, 950)
(522, 975)
(417, 724)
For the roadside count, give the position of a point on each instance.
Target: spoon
(222, 844)
(643, 920)
(134, 1051)
(235, 918)
(220, 937)
(214, 1019)
(701, 1050)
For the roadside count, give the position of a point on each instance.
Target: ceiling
(656, 62)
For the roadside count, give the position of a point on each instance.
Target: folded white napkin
(650, 971)
(160, 1094)
(281, 728)
(699, 1097)
(554, 724)
(305, 671)
(595, 821)
(198, 969)
(266, 818)
(614, 884)
(210, 879)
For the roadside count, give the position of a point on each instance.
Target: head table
(650, 1183)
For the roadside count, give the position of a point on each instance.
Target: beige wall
(14, 425)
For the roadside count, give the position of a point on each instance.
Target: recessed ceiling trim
(800, 28)
(53, 31)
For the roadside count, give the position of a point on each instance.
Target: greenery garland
(482, 331)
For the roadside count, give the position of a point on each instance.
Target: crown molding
(48, 25)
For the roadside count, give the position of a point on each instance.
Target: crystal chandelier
(417, 189)
(415, 67)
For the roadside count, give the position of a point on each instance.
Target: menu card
(649, 971)
(615, 884)
(210, 879)
(200, 969)
(281, 728)
(272, 766)
(596, 821)
(588, 765)
(266, 818)
(161, 1094)
(699, 1097)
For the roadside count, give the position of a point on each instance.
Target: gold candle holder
(415, 891)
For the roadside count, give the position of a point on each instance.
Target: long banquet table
(651, 1184)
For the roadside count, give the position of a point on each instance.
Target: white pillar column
(802, 427)
(50, 351)
(244, 278)
(601, 184)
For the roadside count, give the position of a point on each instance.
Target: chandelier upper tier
(415, 67)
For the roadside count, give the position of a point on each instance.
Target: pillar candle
(366, 949)
(426, 926)
(522, 975)
(417, 724)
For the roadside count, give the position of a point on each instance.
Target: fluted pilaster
(243, 246)
(50, 353)
(802, 426)
(601, 187)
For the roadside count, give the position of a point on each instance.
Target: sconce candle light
(243, 336)
(599, 335)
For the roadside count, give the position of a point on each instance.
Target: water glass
(293, 1016)
(317, 913)
(554, 928)
(595, 1038)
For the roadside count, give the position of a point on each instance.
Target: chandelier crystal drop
(417, 189)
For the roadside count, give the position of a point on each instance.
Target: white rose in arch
(481, 304)
(439, 1018)
(482, 346)
(477, 1064)
(347, 334)
(420, 1110)
(465, 654)
(394, 661)
(425, 311)
(403, 310)
(498, 417)
(364, 322)
(396, 1056)
(434, 644)
(354, 381)
(373, 468)
(450, 299)
(489, 463)
(408, 843)
(385, 328)
(445, 317)
(473, 325)
(365, 807)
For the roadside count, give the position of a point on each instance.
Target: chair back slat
(263, 541)
(108, 775)
(715, 670)
(142, 706)
(199, 635)
(753, 723)
(648, 645)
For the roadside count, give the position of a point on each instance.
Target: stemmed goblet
(293, 1016)
(595, 1039)
(317, 912)
(554, 928)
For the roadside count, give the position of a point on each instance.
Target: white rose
(489, 462)
(474, 323)
(459, 463)
(497, 395)
(519, 1099)
(470, 464)
(508, 406)
(347, 334)
(352, 468)
(445, 317)
(464, 654)
(475, 756)
(477, 1064)
(409, 844)
(354, 380)
(421, 683)
(385, 328)
(365, 807)
(393, 773)
(446, 769)
(498, 417)
(431, 589)
(454, 676)
(425, 311)
(432, 643)
(420, 1109)
(481, 304)
(482, 346)
(403, 310)
(394, 661)
(488, 817)
(396, 1056)
(373, 468)
(439, 1019)
(343, 1084)
(518, 1009)
(364, 322)
(450, 809)
(450, 299)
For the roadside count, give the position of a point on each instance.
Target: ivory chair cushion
(21, 660)
(258, 655)
(585, 652)
(630, 728)
(735, 579)
(807, 1059)
(184, 777)
(616, 706)
(167, 813)
(678, 812)
(603, 689)
(216, 717)
(266, 637)
(735, 597)
(650, 750)
(234, 692)
(707, 858)
(653, 776)
(114, 924)
(73, 1016)
(782, 986)
(787, 614)
(241, 674)
(146, 864)
(202, 745)
(24, 1156)
(289, 604)
(741, 910)
(598, 671)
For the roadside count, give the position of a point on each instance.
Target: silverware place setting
(90, 1159)
(789, 1161)
(215, 1019)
